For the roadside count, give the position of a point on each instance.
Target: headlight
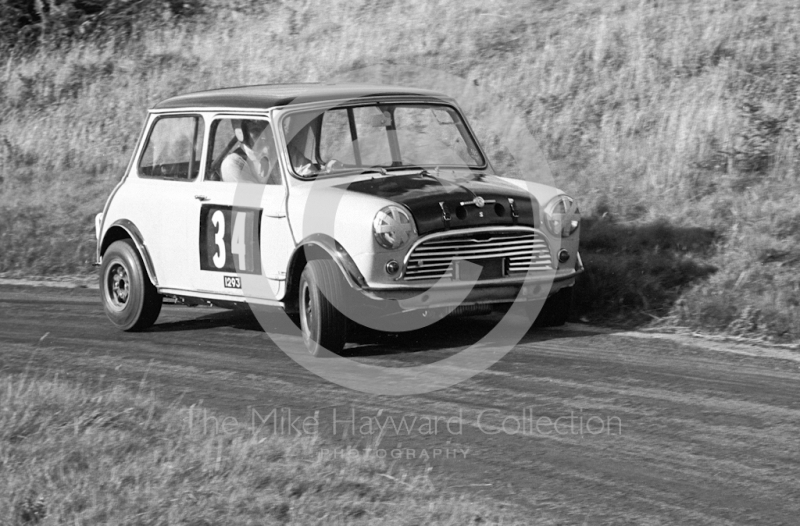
(392, 227)
(562, 216)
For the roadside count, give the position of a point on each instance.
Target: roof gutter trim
(301, 105)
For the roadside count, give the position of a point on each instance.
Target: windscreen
(382, 136)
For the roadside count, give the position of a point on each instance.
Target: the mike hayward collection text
(344, 422)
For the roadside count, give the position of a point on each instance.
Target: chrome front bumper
(449, 293)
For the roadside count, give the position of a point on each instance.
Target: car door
(240, 235)
(157, 195)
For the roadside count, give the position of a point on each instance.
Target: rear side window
(173, 148)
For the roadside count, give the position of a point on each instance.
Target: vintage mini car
(316, 198)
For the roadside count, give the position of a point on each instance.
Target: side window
(222, 139)
(242, 151)
(173, 148)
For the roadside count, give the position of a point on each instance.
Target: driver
(254, 161)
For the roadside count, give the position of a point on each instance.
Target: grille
(518, 251)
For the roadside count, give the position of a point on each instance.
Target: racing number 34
(230, 239)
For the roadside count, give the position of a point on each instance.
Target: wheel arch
(125, 229)
(319, 246)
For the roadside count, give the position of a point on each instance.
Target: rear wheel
(324, 327)
(131, 302)
(555, 310)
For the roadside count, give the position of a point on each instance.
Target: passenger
(301, 164)
(305, 166)
(300, 140)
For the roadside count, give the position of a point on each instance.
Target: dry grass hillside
(675, 123)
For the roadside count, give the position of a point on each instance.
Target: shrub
(639, 270)
(26, 24)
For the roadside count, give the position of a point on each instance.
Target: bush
(28, 24)
(636, 271)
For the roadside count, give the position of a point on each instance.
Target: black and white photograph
(395, 262)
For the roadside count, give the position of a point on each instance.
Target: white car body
(163, 216)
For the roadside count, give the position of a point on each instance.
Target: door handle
(201, 198)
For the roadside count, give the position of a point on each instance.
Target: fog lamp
(392, 267)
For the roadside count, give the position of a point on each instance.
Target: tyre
(555, 310)
(131, 302)
(321, 287)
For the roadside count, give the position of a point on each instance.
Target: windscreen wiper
(373, 169)
(419, 169)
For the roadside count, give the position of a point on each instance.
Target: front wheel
(322, 287)
(131, 302)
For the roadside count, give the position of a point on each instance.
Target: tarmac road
(650, 430)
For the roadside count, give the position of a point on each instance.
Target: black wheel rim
(118, 286)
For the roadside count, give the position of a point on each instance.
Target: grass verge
(74, 455)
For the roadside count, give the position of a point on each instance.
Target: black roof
(270, 95)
